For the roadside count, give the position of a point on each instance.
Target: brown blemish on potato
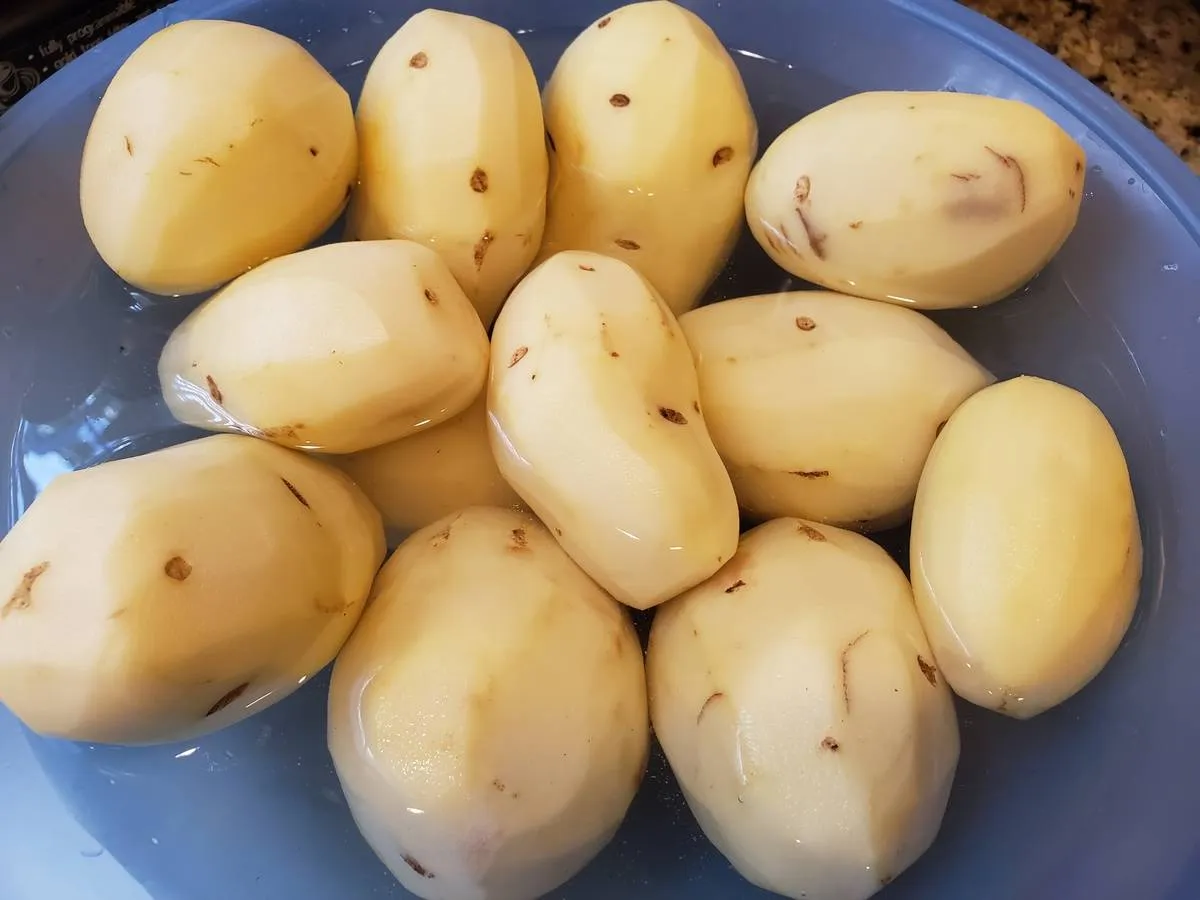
(845, 669)
(257, 121)
(207, 161)
(418, 60)
(181, 172)
(927, 669)
(804, 323)
(431, 297)
(128, 145)
(626, 244)
(965, 176)
(520, 540)
(801, 194)
(120, 612)
(518, 355)
(1071, 193)
(674, 416)
(533, 376)
(603, 23)
(736, 586)
(885, 880)
(811, 473)
(1010, 162)
(499, 785)
(732, 360)
(295, 493)
(481, 248)
(619, 100)
(287, 432)
(712, 698)
(696, 405)
(479, 181)
(227, 699)
(811, 533)
(440, 538)
(416, 866)
(856, 224)
(178, 568)
(802, 189)
(1078, 167)
(722, 156)
(213, 390)
(587, 268)
(614, 354)
(830, 743)
(22, 597)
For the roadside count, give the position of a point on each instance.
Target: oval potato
(825, 406)
(931, 199)
(453, 152)
(596, 423)
(1026, 551)
(165, 596)
(652, 142)
(217, 145)
(801, 710)
(338, 348)
(417, 480)
(488, 718)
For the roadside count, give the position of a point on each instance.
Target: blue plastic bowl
(1096, 799)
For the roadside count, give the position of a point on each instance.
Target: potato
(1026, 551)
(453, 152)
(417, 480)
(825, 406)
(800, 708)
(165, 596)
(338, 348)
(652, 138)
(217, 145)
(595, 422)
(932, 199)
(488, 718)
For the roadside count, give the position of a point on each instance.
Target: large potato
(1026, 552)
(337, 348)
(488, 718)
(168, 595)
(825, 406)
(934, 199)
(595, 421)
(453, 152)
(799, 705)
(417, 480)
(652, 139)
(216, 146)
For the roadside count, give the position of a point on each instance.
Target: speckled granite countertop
(1146, 53)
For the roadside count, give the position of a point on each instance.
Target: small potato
(488, 718)
(652, 138)
(825, 406)
(932, 199)
(1026, 551)
(800, 708)
(417, 480)
(217, 145)
(165, 596)
(453, 151)
(595, 422)
(338, 348)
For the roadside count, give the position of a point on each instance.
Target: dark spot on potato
(927, 669)
(499, 785)
(128, 145)
(674, 416)
(431, 296)
(313, 151)
(811, 473)
(481, 248)
(520, 540)
(965, 176)
(208, 161)
(1078, 167)
(614, 354)
(912, 107)
(619, 100)
(1071, 193)
(885, 880)
(696, 405)
(587, 268)
(295, 493)
(287, 432)
(558, 531)
(479, 181)
(182, 172)
(802, 189)
(22, 597)
(213, 390)
(533, 376)
(722, 156)
(178, 568)
(1010, 162)
(418, 60)
(856, 224)
(732, 360)
(626, 244)
(845, 668)
(120, 612)
(713, 698)
(603, 23)
(736, 586)
(830, 743)
(254, 122)
(441, 537)
(227, 699)
(811, 533)
(518, 355)
(408, 860)
(804, 323)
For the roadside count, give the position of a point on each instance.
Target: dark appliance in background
(39, 37)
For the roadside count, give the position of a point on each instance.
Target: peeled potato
(1026, 552)
(453, 152)
(338, 348)
(596, 423)
(932, 199)
(825, 406)
(652, 139)
(417, 480)
(801, 710)
(217, 145)
(488, 717)
(165, 596)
